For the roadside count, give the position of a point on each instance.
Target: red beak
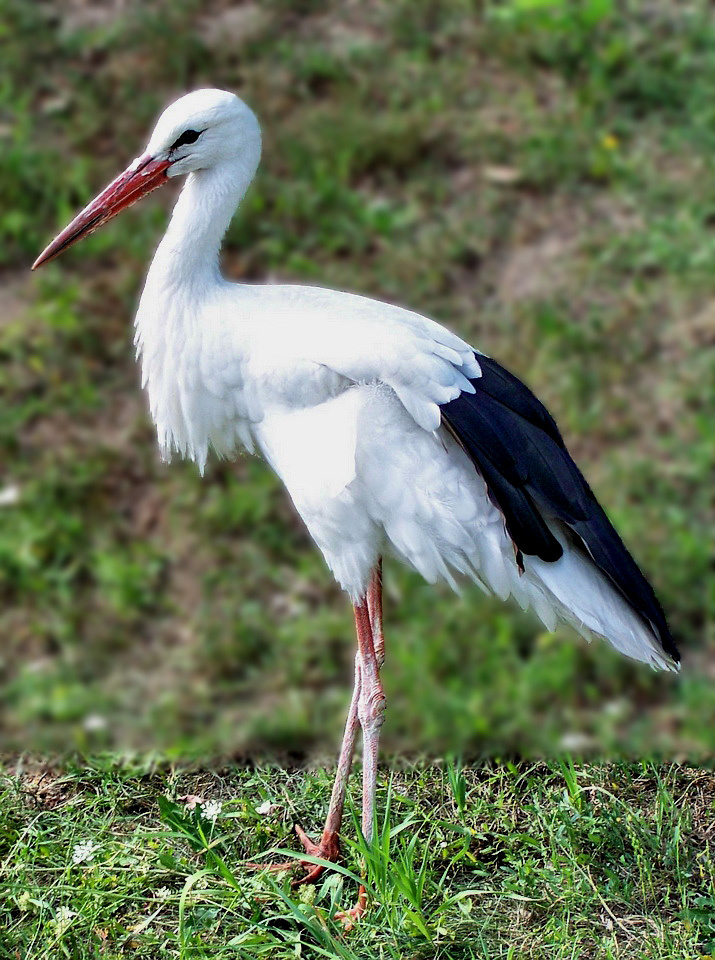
(140, 178)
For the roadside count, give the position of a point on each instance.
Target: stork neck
(205, 207)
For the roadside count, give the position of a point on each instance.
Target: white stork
(390, 433)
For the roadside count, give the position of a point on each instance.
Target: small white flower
(9, 496)
(163, 893)
(615, 708)
(575, 741)
(83, 852)
(211, 809)
(94, 721)
(266, 808)
(63, 919)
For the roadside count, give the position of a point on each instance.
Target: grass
(504, 860)
(540, 177)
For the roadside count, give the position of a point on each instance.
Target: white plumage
(341, 394)
(344, 396)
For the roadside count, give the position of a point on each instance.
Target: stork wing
(517, 447)
(367, 341)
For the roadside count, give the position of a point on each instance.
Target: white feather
(341, 394)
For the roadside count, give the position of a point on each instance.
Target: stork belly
(313, 451)
(365, 477)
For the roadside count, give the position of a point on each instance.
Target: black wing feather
(516, 445)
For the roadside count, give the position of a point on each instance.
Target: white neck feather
(170, 321)
(205, 208)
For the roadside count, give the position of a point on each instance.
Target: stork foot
(327, 849)
(348, 918)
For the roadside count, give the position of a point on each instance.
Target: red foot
(327, 849)
(348, 918)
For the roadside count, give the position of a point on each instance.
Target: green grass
(499, 861)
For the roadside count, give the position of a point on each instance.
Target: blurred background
(538, 175)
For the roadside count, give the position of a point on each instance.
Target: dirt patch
(536, 270)
(42, 784)
(94, 14)
(691, 331)
(546, 239)
(234, 25)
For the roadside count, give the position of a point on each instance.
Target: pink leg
(345, 760)
(329, 840)
(371, 713)
(374, 606)
(328, 846)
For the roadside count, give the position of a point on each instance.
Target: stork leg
(371, 713)
(328, 847)
(374, 606)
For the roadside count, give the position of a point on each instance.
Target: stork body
(391, 434)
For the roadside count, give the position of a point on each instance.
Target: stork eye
(188, 136)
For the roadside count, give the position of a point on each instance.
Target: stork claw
(348, 918)
(327, 849)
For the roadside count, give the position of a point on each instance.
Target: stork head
(200, 131)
